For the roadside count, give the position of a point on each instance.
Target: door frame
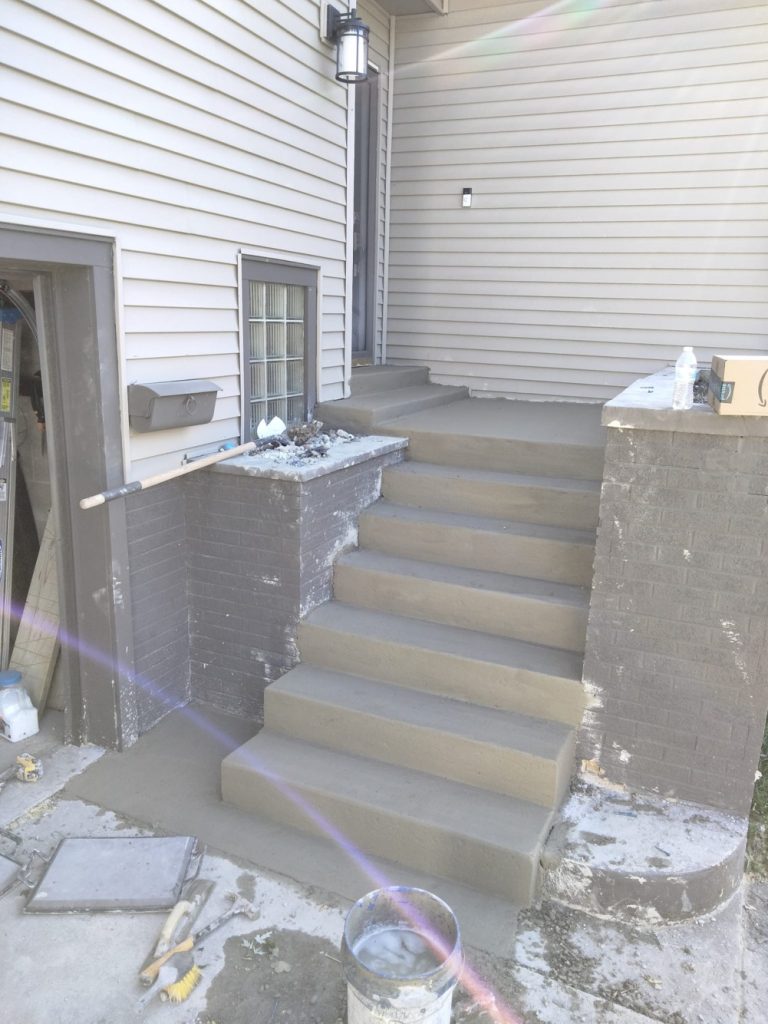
(74, 285)
(368, 286)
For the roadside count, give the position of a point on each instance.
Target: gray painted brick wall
(261, 555)
(157, 546)
(676, 644)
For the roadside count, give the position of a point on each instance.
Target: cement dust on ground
(283, 966)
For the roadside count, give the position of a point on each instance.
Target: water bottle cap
(10, 677)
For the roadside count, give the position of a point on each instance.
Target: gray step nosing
(493, 477)
(507, 770)
(384, 510)
(453, 792)
(522, 732)
(385, 378)
(567, 595)
(434, 628)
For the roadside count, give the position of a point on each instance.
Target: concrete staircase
(432, 717)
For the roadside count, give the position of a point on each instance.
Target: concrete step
(494, 671)
(427, 823)
(365, 412)
(559, 439)
(473, 542)
(368, 379)
(553, 614)
(549, 501)
(499, 751)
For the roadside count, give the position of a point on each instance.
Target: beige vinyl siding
(379, 23)
(619, 163)
(191, 132)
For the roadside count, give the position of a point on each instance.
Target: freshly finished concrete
(550, 965)
(538, 612)
(549, 501)
(171, 780)
(561, 439)
(436, 658)
(553, 553)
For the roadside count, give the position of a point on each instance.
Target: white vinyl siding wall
(191, 131)
(617, 152)
(379, 22)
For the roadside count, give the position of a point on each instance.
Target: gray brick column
(675, 663)
(261, 545)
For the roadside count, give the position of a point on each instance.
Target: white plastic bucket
(402, 958)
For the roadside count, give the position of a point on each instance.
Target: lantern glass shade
(351, 49)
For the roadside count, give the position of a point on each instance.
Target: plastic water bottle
(685, 375)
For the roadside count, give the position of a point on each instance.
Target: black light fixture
(350, 35)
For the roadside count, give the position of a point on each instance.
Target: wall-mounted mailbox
(171, 403)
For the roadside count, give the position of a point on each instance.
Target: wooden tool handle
(149, 974)
(160, 478)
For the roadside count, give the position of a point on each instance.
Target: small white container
(18, 715)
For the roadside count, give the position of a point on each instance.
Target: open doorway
(72, 282)
(28, 567)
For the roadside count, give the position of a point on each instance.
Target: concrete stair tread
(437, 637)
(559, 423)
(489, 476)
(453, 718)
(472, 815)
(368, 410)
(376, 400)
(477, 579)
(410, 513)
(368, 379)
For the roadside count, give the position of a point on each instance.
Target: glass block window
(280, 302)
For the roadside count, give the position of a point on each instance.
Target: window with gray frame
(280, 318)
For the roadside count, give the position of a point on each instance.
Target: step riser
(462, 759)
(539, 558)
(523, 503)
(447, 675)
(362, 418)
(577, 462)
(512, 615)
(388, 379)
(410, 842)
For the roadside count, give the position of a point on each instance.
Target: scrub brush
(181, 990)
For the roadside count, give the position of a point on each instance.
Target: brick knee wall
(157, 543)
(675, 661)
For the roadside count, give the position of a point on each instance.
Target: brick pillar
(675, 663)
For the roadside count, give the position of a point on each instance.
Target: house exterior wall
(618, 167)
(189, 132)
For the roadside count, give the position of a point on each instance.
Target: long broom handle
(161, 478)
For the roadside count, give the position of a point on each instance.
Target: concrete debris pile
(302, 442)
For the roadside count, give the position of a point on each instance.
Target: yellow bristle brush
(181, 990)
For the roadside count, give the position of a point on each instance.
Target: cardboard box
(738, 385)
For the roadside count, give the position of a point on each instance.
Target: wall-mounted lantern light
(350, 35)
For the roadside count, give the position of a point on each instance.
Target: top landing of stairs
(447, 427)
(383, 393)
(511, 420)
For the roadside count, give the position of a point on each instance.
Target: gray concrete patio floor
(547, 965)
